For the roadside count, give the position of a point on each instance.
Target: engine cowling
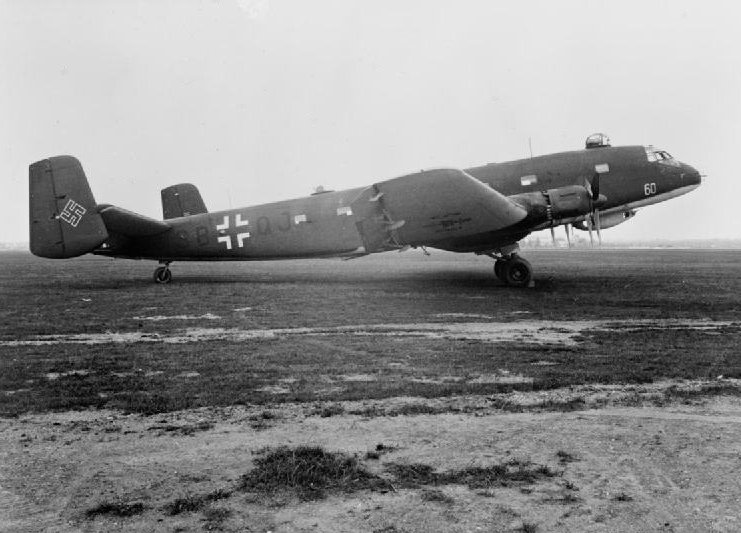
(609, 220)
(556, 206)
(568, 202)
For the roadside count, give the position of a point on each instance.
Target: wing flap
(431, 206)
(130, 224)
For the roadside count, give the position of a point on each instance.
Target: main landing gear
(514, 271)
(510, 268)
(162, 274)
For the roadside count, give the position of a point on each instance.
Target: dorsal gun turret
(597, 140)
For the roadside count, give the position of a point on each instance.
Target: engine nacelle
(568, 202)
(609, 220)
(557, 206)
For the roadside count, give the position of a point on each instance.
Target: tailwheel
(162, 274)
(516, 272)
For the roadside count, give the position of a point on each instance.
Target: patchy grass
(566, 457)
(184, 429)
(326, 411)
(512, 472)
(564, 498)
(571, 404)
(569, 485)
(380, 449)
(117, 509)
(214, 517)
(195, 502)
(310, 472)
(408, 409)
(263, 420)
(95, 295)
(674, 393)
(436, 495)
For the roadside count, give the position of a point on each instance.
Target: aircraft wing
(430, 206)
(123, 222)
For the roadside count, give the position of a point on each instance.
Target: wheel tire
(517, 272)
(162, 275)
(498, 268)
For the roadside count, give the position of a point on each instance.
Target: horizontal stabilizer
(431, 206)
(181, 200)
(130, 224)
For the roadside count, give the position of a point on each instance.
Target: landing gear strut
(162, 274)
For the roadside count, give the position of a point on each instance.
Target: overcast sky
(255, 101)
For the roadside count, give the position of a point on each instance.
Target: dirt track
(674, 468)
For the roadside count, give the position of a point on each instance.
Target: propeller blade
(589, 228)
(595, 186)
(553, 236)
(568, 237)
(588, 187)
(597, 226)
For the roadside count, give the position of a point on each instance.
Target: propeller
(597, 226)
(589, 229)
(593, 222)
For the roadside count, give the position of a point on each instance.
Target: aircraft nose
(691, 176)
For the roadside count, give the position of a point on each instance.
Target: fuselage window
(530, 179)
(298, 219)
(344, 211)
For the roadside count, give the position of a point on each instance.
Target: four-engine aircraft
(482, 210)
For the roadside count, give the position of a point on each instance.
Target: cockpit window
(654, 155)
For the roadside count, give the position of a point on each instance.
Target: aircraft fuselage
(324, 224)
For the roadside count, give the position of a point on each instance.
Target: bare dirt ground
(131, 407)
(670, 468)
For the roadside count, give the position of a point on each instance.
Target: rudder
(64, 220)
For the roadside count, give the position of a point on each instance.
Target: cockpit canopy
(597, 140)
(655, 155)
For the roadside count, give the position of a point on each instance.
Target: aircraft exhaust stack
(63, 216)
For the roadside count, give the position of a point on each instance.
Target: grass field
(389, 394)
(96, 332)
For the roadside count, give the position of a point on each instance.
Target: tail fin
(64, 220)
(182, 200)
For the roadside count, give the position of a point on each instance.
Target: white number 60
(649, 189)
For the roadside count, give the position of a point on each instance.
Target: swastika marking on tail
(72, 213)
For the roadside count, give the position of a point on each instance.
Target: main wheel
(517, 272)
(498, 269)
(162, 275)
